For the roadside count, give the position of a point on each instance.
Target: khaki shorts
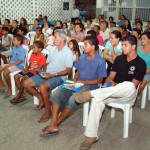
(11, 69)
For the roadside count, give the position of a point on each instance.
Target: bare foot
(45, 118)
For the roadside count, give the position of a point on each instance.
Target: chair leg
(144, 95)
(36, 100)
(130, 115)
(126, 121)
(13, 85)
(85, 113)
(113, 111)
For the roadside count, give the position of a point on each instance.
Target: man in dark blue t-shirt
(127, 72)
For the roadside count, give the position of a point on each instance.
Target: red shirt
(37, 60)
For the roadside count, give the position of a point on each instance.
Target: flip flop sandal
(44, 129)
(18, 101)
(49, 133)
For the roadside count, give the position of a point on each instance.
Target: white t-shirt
(75, 13)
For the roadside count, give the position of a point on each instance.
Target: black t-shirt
(126, 71)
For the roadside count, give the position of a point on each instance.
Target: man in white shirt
(75, 13)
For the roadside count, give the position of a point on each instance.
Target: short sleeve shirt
(127, 71)
(18, 53)
(59, 60)
(91, 69)
(116, 49)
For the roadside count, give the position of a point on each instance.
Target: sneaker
(83, 97)
(87, 143)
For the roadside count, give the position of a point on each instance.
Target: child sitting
(37, 61)
(16, 63)
(5, 44)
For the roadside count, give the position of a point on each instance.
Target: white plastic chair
(101, 50)
(127, 110)
(81, 47)
(13, 86)
(145, 95)
(30, 36)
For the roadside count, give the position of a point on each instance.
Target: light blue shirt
(116, 49)
(145, 57)
(18, 53)
(59, 60)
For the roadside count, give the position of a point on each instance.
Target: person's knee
(6, 72)
(44, 87)
(16, 77)
(28, 83)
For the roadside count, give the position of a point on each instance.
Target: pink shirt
(100, 39)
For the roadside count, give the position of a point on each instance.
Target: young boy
(91, 69)
(5, 44)
(16, 64)
(37, 61)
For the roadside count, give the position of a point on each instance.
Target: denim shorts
(53, 82)
(147, 77)
(65, 98)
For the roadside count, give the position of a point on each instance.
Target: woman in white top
(46, 29)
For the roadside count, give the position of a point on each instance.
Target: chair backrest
(27, 49)
(101, 50)
(81, 47)
(30, 36)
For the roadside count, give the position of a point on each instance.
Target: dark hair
(75, 46)
(137, 30)
(16, 21)
(36, 19)
(139, 22)
(81, 25)
(89, 20)
(114, 23)
(19, 37)
(147, 34)
(131, 39)
(106, 23)
(129, 25)
(7, 20)
(117, 34)
(24, 20)
(40, 29)
(92, 41)
(23, 29)
(65, 24)
(5, 29)
(45, 17)
(56, 28)
(60, 22)
(123, 16)
(39, 44)
(111, 18)
(97, 27)
(92, 33)
(123, 28)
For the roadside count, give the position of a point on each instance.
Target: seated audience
(49, 43)
(123, 31)
(46, 29)
(36, 62)
(96, 28)
(144, 53)
(65, 27)
(78, 35)
(88, 26)
(14, 28)
(59, 65)
(113, 48)
(35, 25)
(104, 31)
(137, 34)
(16, 64)
(23, 23)
(91, 69)
(126, 74)
(73, 45)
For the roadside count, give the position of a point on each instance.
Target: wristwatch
(56, 75)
